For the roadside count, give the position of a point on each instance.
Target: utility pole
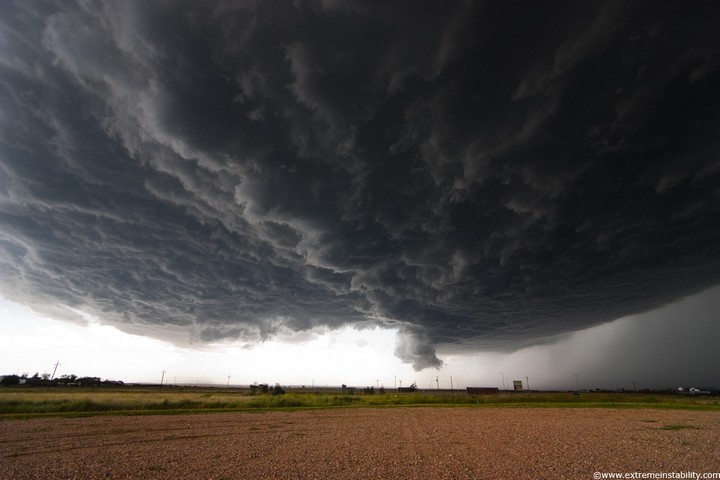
(161, 379)
(503, 381)
(577, 382)
(437, 380)
(55, 370)
(527, 382)
(228, 384)
(452, 391)
(53, 375)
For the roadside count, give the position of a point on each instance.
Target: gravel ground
(362, 443)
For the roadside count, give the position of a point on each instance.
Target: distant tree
(278, 390)
(89, 381)
(112, 383)
(381, 390)
(66, 379)
(10, 380)
(253, 389)
(264, 388)
(34, 380)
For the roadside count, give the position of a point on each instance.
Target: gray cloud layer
(477, 175)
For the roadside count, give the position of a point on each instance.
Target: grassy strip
(25, 404)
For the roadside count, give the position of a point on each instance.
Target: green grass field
(24, 402)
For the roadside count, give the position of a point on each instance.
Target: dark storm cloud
(476, 175)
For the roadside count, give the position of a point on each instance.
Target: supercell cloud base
(482, 176)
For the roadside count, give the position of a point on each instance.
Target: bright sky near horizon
(645, 349)
(353, 192)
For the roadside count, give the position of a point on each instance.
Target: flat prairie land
(362, 443)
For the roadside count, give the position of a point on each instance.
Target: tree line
(45, 379)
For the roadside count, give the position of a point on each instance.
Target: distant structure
(410, 389)
(483, 391)
(517, 385)
(692, 391)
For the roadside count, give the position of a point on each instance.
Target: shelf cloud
(476, 175)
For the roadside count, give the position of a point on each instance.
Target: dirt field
(389, 443)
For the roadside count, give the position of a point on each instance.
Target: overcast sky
(492, 179)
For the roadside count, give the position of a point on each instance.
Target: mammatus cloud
(473, 175)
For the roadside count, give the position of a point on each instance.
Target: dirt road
(362, 443)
